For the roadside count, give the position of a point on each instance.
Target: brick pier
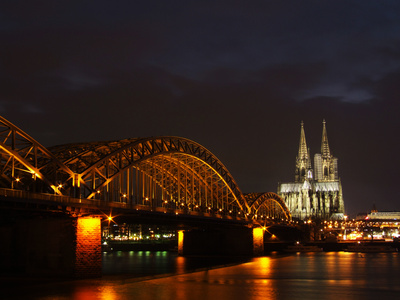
(88, 247)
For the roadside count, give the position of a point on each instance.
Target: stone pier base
(88, 247)
(50, 246)
(258, 241)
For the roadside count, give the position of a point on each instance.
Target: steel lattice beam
(178, 168)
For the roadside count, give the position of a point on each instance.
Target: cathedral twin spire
(325, 164)
(317, 190)
(325, 145)
(303, 151)
(303, 161)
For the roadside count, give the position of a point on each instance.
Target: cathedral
(316, 192)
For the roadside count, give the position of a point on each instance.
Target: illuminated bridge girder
(184, 177)
(169, 172)
(23, 160)
(138, 168)
(177, 181)
(267, 206)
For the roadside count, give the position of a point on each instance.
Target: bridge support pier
(47, 245)
(258, 241)
(181, 236)
(88, 247)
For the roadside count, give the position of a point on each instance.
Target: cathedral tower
(319, 196)
(303, 159)
(326, 168)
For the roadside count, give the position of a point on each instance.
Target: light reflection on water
(149, 263)
(332, 275)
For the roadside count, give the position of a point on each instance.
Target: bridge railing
(31, 197)
(19, 194)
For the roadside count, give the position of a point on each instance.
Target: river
(166, 276)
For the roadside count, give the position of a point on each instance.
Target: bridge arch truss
(161, 171)
(264, 206)
(156, 172)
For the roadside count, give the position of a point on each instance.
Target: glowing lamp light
(110, 218)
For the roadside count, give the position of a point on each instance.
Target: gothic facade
(316, 192)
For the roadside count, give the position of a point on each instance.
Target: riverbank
(169, 245)
(337, 246)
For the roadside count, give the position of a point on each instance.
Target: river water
(166, 276)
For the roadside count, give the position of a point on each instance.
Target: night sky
(237, 77)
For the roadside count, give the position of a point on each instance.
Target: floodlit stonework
(316, 192)
(88, 247)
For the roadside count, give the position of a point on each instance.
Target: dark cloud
(237, 77)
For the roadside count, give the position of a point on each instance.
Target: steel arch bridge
(267, 205)
(169, 172)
